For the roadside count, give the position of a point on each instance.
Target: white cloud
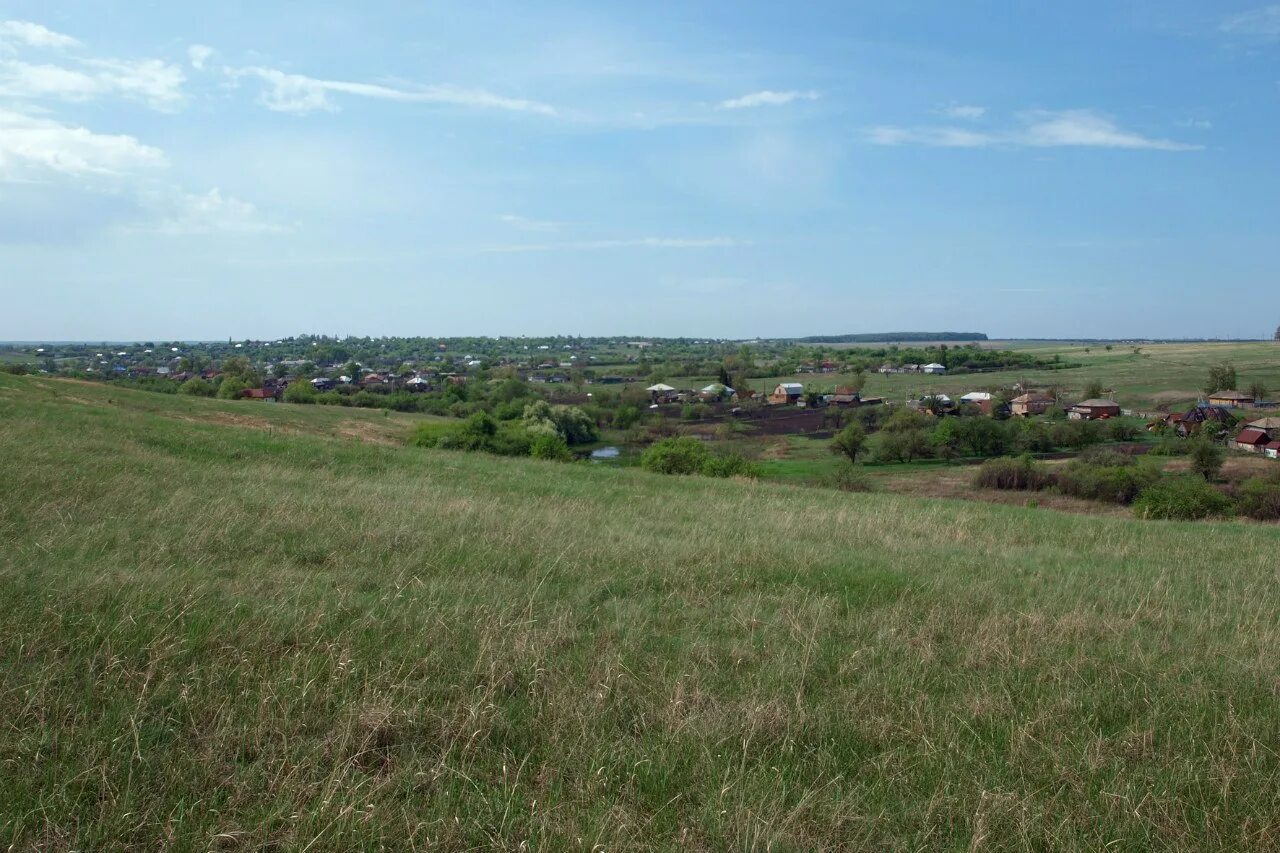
(637, 243)
(186, 213)
(199, 54)
(34, 147)
(33, 35)
(1085, 128)
(157, 83)
(299, 94)
(1040, 129)
(1260, 23)
(766, 98)
(963, 111)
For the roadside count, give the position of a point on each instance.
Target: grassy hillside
(220, 634)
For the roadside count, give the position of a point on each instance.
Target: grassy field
(1160, 374)
(292, 633)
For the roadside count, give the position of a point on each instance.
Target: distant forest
(893, 337)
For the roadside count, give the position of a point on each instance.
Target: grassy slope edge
(219, 636)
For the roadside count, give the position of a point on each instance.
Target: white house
(933, 368)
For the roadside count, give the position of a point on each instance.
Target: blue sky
(256, 169)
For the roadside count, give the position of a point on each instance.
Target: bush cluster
(1183, 498)
(1022, 474)
(688, 455)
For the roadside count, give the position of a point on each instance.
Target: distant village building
(982, 399)
(787, 392)
(1231, 399)
(1185, 423)
(1252, 439)
(845, 397)
(934, 368)
(1031, 403)
(1094, 409)
(661, 392)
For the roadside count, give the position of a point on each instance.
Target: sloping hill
(219, 636)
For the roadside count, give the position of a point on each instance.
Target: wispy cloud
(33, 35)
(74, 76)
(1039, 129)
(199, 54)
(153, 81)
(1262, 23)
(637, 243)
(299, 94)
(965, 112)
(32, 147)
(186, 214)
(767, 98)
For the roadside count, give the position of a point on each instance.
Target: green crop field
(231, 625)
(1158, 374)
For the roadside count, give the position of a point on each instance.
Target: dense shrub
(625, 417)
(684, 455)
(1260, 498)
(197, 387)
(231, 388)
(1181, 498)
(1121, 430)
(551, 447)
(1076, 434)
(903, 445)
(300, 391)
(1021, 473)
(729, 465)
(688, 455)
(1111, 483)
(569, 422)
(1206, 457)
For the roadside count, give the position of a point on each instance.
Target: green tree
(231, 388)
(196, 387)
(1093, 390)
(1258, 391)
(300, 391)
(904, 445)
(849, 442)
(238, 367)
(1206, 458)
(550, 447)
(1222, 377)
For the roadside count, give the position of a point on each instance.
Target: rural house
(1252, 439)
(1094, 409)
(1231, 399)
(845, 397)
(981, 399)
(934, 368)
(787, 392)
(1188, 422)
(1031, 403)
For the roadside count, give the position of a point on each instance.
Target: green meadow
(244, 626)
(1154, 375)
